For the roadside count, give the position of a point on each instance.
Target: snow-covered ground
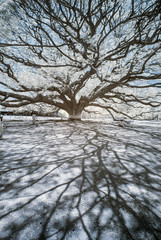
(80, 180)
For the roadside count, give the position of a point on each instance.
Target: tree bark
(74, 117)
(75, 113)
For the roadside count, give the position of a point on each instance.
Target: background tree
(81, 53)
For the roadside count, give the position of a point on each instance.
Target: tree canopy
(76, 54)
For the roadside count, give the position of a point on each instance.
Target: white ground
(80, 180)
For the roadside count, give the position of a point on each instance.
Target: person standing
(33, 118)
(1, 126)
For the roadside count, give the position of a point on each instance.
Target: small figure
(1, 118)
(1, 126)
(34, 118)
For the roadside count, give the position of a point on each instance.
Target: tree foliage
(75, 54)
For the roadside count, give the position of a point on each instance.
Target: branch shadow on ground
(80, 181)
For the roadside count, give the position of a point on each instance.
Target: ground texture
(80, 181)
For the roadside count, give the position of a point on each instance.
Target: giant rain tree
(76, 54)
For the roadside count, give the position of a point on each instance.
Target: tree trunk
(75, 114)
(75, 117)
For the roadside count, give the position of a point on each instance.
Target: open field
(80, 180)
